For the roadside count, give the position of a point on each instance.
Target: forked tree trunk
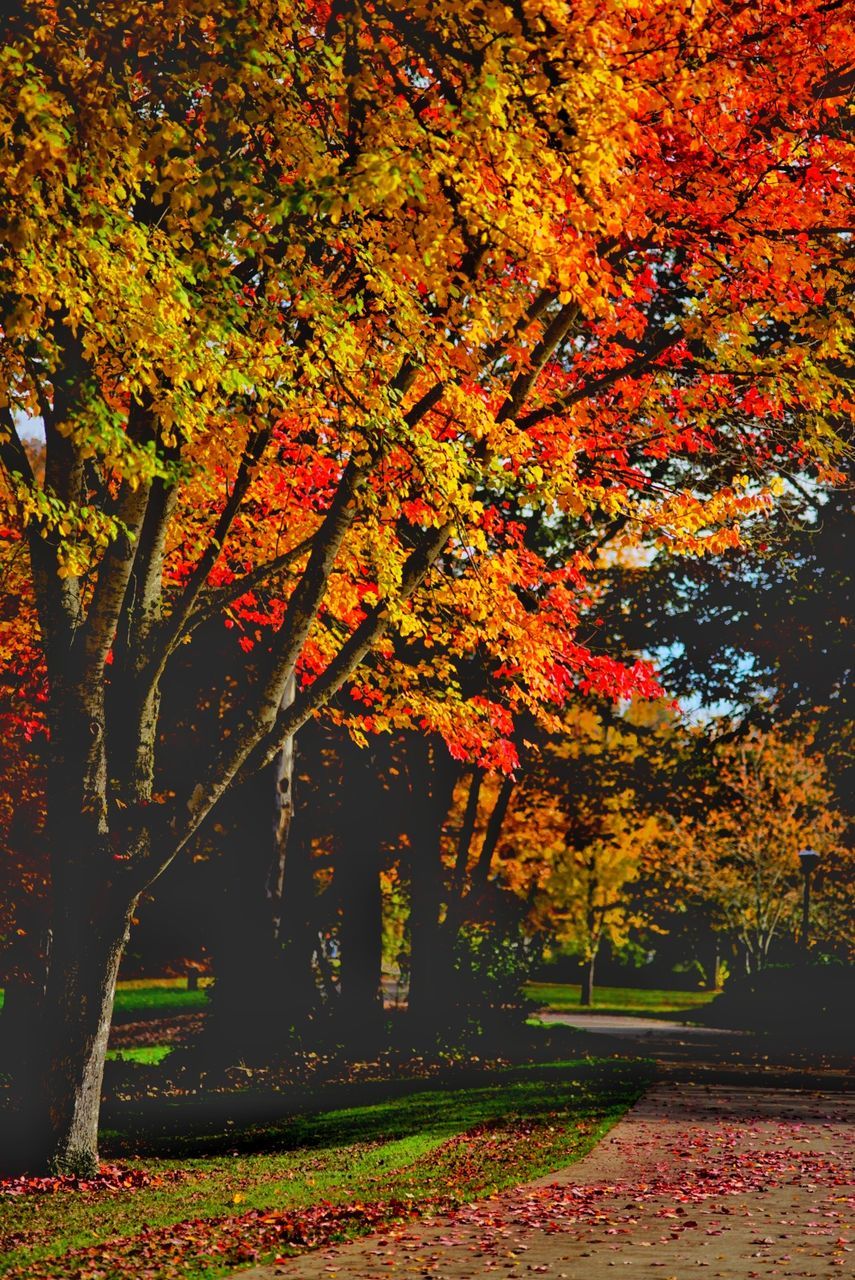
(56, 1129)
(460, 902)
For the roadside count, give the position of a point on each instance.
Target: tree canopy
(354, 327)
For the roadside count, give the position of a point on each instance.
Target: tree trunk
(58, 1121)
(361, 970)
(298, 931)
(427, 971)
(433, 775)
(243, 1023)
(467, 830)
(481, 873)
(586, 998)
(58, 1091)
(296, 994)
(358, 865)
(715, 965)
(283, 815)
(747, 958)
(249, 999)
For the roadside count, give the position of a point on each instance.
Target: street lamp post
(809, 859)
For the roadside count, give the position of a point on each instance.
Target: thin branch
(553, 336)
(213, 602)
(667, 338)
(363, 639)
(117, 562)
(247, 759)
(175, 626)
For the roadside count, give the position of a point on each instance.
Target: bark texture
(60, 1097)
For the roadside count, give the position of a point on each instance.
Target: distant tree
(589, 888)
(767, 631)
(766, 797)
(583, 822)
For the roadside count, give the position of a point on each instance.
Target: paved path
(694, 1181)
(625, 1025)
(713, 1055)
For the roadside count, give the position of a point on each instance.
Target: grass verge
(153, 1000)
(164, 996)
(310, 1179)
(563, 997)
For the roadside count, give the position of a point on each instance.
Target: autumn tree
(590, 884)
(764, 629)
(297, 292)
(582, 825)
(767, 796)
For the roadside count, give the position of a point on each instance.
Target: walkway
(713, 1055)
(627, 1026)
(715, 1182)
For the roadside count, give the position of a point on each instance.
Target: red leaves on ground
(712, 1164)
(170, 1251)
(669, 1182)
(109, 1178)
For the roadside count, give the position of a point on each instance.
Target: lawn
(156, 996)
(165, 996)
(563, 997)
(149, 1054)
(157, 1000)
(313, 1178)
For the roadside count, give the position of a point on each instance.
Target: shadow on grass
(365, 1112)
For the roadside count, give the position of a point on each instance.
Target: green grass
(149, 1055)
(401, 1148)
(563, 997)
(157, 995)
(170, 995)
(159, 999)
(172, 984)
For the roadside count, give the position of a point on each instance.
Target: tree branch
(553, 336)
(175, 626)
(667, 338)
(248, 755)
(214, 601)
(117, 563)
